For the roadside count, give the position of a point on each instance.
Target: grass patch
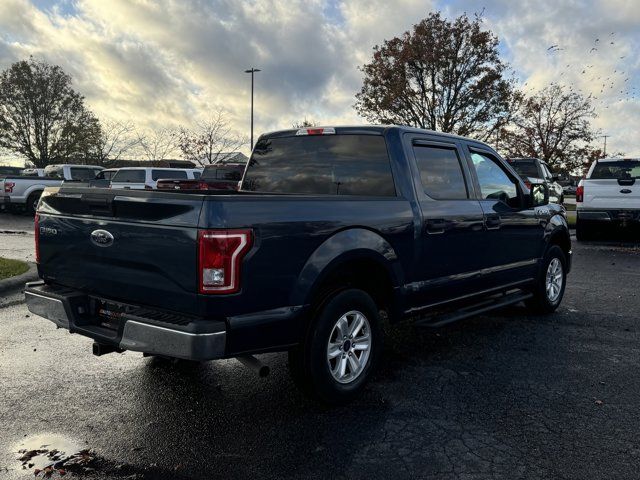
(11, 268)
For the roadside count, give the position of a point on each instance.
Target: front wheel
(550, 284)
(341, 349)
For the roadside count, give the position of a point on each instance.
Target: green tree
(442, 75)
(41, 117)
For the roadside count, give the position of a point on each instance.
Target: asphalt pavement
(507, 395)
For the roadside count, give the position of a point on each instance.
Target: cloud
(167, 62)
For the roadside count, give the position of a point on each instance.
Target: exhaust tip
(254, 364)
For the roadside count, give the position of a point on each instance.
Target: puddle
(49, 454)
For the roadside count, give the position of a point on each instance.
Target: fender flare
(344, 246)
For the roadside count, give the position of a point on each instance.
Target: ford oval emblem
(101, 238)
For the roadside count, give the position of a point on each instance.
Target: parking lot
(500, 396)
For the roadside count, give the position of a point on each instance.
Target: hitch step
(100, 349)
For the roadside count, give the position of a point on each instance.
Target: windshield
(526, 169)
(321, 165)
(615, 170)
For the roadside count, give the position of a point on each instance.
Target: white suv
(142, 178)
(608, 196)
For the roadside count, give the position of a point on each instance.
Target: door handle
(492, 222)
(436, 225)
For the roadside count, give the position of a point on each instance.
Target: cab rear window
(624, 169)
(321, 165)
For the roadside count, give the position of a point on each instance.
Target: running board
(472, 310)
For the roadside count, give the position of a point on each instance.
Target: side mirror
(539, 193)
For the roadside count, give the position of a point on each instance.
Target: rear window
(132, 176)
(615, 170)
(526, 169)
(321, 165)
(168, 173)
(231, 173)
(83, 173)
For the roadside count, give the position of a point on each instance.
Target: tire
(326, 379)
(546, 298)
(583, 231)
(32, 202)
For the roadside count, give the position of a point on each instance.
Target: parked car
(609, 196)
(8, 170)
(24, 191)
(145, 178)
(533, 168)
(330, 226)
(214, 177)
(569, 190)
(103, 178)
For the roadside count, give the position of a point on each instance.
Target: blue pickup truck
(331, 227)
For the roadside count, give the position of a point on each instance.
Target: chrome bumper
(64, 307)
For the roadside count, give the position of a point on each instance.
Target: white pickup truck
(22, 191)
(609, 196)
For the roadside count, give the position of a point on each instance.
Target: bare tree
(553, 125)
(157, 145)
(210, 140)
(41, 117)
(305, 123)
(116, 140)
(442, 75)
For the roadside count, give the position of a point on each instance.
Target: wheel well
(365, 274)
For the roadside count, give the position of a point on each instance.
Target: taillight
(580, 194)
(36, 225)
(8, 187)
(220, 254)
(203, 186)
(316, 131)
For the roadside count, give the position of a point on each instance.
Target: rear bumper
(71, 310)
(629, 215)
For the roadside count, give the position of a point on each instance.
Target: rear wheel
(341, 349)
(551, 281)
(32, 202)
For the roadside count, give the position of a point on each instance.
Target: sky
(167, 63)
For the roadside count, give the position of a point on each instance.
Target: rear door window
(321, 165)
(441, 172)
(168, 173)
(129, 176)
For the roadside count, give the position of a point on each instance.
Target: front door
(514, 234)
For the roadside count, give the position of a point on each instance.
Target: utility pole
(252, 71)
(604, 153)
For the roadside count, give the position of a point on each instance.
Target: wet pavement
(501, 396)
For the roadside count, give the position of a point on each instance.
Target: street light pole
(605, 144)
(252, 71)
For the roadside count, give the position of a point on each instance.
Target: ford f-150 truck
(24, 191)
(331, 227)
(608, 197)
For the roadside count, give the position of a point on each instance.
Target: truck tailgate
(608, 194)
(122, 245)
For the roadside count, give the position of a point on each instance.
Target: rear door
(452, 221)
(514, 239)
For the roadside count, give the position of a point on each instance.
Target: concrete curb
(11, 284)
